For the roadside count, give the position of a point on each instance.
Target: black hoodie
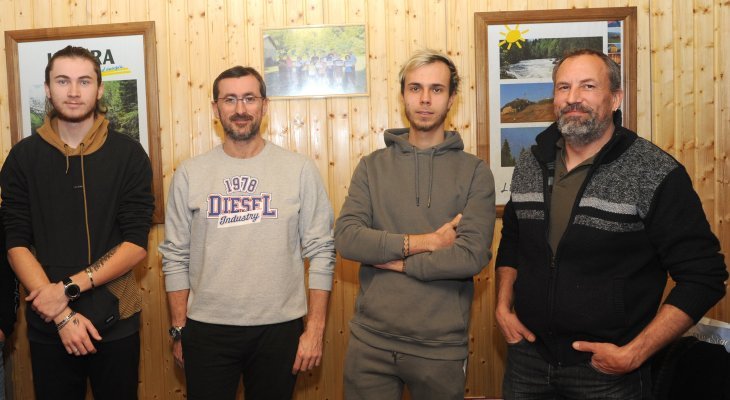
(8, 288)
(74, 205)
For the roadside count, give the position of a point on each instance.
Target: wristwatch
(70, 289)
(176, 332)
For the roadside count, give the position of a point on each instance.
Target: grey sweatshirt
(402, 190)
(236, 233)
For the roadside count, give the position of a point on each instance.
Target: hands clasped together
(76, 331)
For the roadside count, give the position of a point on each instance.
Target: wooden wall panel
(704, 112)
(722, 141)
(377, 37)
(684, 107)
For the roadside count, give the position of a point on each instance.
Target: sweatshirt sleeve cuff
(321, 272)
(393, 246)
(175, 282)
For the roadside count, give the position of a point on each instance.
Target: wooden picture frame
(505, 89)
(125, 50)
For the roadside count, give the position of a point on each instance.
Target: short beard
(82, 118)
(242, 137)
(578, 132)
(63, 117)
(426, 128)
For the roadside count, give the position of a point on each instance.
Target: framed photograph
(316, 61)
(515, 55)
(127, 56)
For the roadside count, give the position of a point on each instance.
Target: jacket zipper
(553, 258)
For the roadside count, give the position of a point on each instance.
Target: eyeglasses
(232, 101)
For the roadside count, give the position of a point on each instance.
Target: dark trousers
(529, 377)
(113, 371)
(216, 356)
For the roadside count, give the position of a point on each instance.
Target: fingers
(92, 330)
(305, 363)
(75, 336)
(80, 347)
(513, 329)
(32, 295)
(297, 364)
(584, 346)
(177, 354)
(527, 334)
(71, 349)
(456, 220)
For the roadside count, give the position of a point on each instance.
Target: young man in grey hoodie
(419, 217)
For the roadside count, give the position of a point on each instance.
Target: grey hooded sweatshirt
(402, 190)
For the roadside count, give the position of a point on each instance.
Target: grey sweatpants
(372, 373)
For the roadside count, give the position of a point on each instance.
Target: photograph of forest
(120, 98)
(516, 141)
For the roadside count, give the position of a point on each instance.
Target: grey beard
(581, 133)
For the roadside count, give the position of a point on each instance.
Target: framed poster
(127, 56)
(515, 55)
(316, 61)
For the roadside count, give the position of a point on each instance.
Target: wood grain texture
(683, 105)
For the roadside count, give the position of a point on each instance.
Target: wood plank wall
(683, 98)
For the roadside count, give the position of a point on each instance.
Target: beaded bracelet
(406, 245)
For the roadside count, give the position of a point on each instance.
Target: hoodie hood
(93, 140)
(398, 139)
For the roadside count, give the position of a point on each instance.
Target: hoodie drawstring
(430, 176)
(86, 209)
(418, 189)
(65, 153)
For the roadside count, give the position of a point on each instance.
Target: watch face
(73, 291)
(175, 333)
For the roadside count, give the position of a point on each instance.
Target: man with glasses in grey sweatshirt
(240, 220)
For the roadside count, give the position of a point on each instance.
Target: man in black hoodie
(8, 303)
(419, 217)
(596, 219)
(79, 195)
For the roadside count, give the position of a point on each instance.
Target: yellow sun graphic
(513, 36)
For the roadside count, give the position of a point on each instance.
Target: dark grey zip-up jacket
(635, 219)
(402, 190)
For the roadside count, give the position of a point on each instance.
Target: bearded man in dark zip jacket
(596, 219)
